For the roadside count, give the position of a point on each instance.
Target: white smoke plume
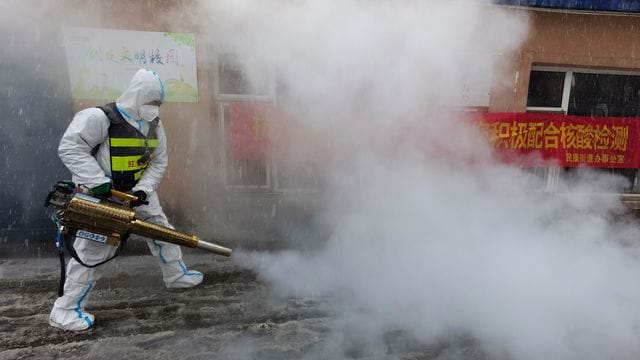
(428, 235)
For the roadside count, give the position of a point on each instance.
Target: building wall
(193, 191)
(569, 39)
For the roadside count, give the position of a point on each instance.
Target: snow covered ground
(232, 315)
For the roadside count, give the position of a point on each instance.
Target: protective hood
(144, 87)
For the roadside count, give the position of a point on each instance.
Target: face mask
(149, 112)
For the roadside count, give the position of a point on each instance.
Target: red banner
(570, 141)
(248, 131)
(259, 130)
(522, 138)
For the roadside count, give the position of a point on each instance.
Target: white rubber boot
(176, 275)
(68, 310)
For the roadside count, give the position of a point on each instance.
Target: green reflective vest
(130, 150)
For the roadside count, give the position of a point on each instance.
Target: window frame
(566, 89)
(568, 79)
(554, 173)
(223, 100)
(289, 190)
(227, 97)
(224, 141)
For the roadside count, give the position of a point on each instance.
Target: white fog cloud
(430, 236)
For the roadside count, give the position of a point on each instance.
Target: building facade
(578, 59)
(581, 58)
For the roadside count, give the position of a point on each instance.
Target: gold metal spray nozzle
(103, 217)
(162, 233)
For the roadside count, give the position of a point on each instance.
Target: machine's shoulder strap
(74, 254)
(111, 112)
(67, 239)
(152, 128)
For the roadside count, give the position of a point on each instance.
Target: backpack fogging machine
(110, 221)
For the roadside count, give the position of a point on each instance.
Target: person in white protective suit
(98, 148)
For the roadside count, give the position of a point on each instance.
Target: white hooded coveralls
(88, 129)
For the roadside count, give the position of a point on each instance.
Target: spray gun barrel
(162, 233)
(109, 222)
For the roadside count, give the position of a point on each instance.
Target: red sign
(259, 130)
(570, 141)
(522, 138)
(248, 129)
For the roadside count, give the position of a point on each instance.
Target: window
(243, 173)
(604, 95)
(537, 176)
(298, 178)
(248, 80)
(241, 81)
(545, 89)
(586, 92)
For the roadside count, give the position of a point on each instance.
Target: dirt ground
(232, 315)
